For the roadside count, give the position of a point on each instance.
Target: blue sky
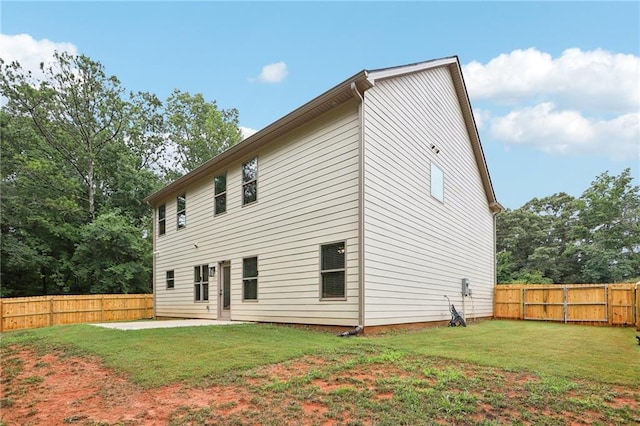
(555, 86)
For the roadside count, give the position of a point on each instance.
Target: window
(201, 283)
(170, 281)
(162, 219)
(182, 211)
(437, 183)
(250, 181)
(332, 271)
(220, 190)
(250, 278)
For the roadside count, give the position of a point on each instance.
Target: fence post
(637, 307)
(565, 306)
(608, 298)
(50, 311)
(102, 308)
(1, 316)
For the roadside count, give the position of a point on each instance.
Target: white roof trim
(407, 69)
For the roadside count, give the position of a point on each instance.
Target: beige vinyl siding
(307, 190)
(418, 249)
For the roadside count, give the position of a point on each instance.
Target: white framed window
(250, 278)
(332, 271)
(162, 219)
(437, 183)
(220, 194)
(170, 280)
(250, 181)
(201, 283)
(181, 215)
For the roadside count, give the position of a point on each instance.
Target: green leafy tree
(608, 229)
(197, 130)
(557, 217)
(76, 108)
(112, 256)
(40, 213)
(74, 149)
(561, 239)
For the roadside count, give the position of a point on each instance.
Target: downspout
(153, 266)
(361, 303)
(495, 210)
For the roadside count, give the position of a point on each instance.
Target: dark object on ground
(456, 318)
(638, 337)
(353, 332)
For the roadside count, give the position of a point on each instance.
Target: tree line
(594, 238)
(79, 155)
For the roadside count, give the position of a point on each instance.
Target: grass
(605, 354)
(490, 373)
(156, 357)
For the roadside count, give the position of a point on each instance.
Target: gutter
(307, 112)
(361, 304)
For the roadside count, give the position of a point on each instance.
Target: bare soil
(55, 389)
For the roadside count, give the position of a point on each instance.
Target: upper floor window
(250, 181)
(201, 283)
(332, 271)
(162, 219)
(250, 278)
(437, 183)
(182, 211)
(220, 189)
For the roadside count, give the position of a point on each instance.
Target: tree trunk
(92, 191)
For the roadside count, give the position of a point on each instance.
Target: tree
(557, 216)
(74, 149)
(77, 110)
(561, 239)
(608, 229)
(79, 156)
(40, 213)
(197, 130)
(112, 256)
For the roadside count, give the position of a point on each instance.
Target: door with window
(224, 291)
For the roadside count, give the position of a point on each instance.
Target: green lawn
(160, 356)
(490, 373)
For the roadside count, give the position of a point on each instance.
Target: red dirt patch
(52, 391)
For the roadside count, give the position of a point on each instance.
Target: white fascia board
(374, 75)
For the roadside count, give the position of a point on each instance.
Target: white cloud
(596, 79)
(30, 52)
(273, 73)
(583, 102)
(569, 132)
(247, 131)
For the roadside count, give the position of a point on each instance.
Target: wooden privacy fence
(597, 304)
(42, 311)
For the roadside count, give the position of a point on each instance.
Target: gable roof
(330, 99)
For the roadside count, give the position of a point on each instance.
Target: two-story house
(367, 205)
